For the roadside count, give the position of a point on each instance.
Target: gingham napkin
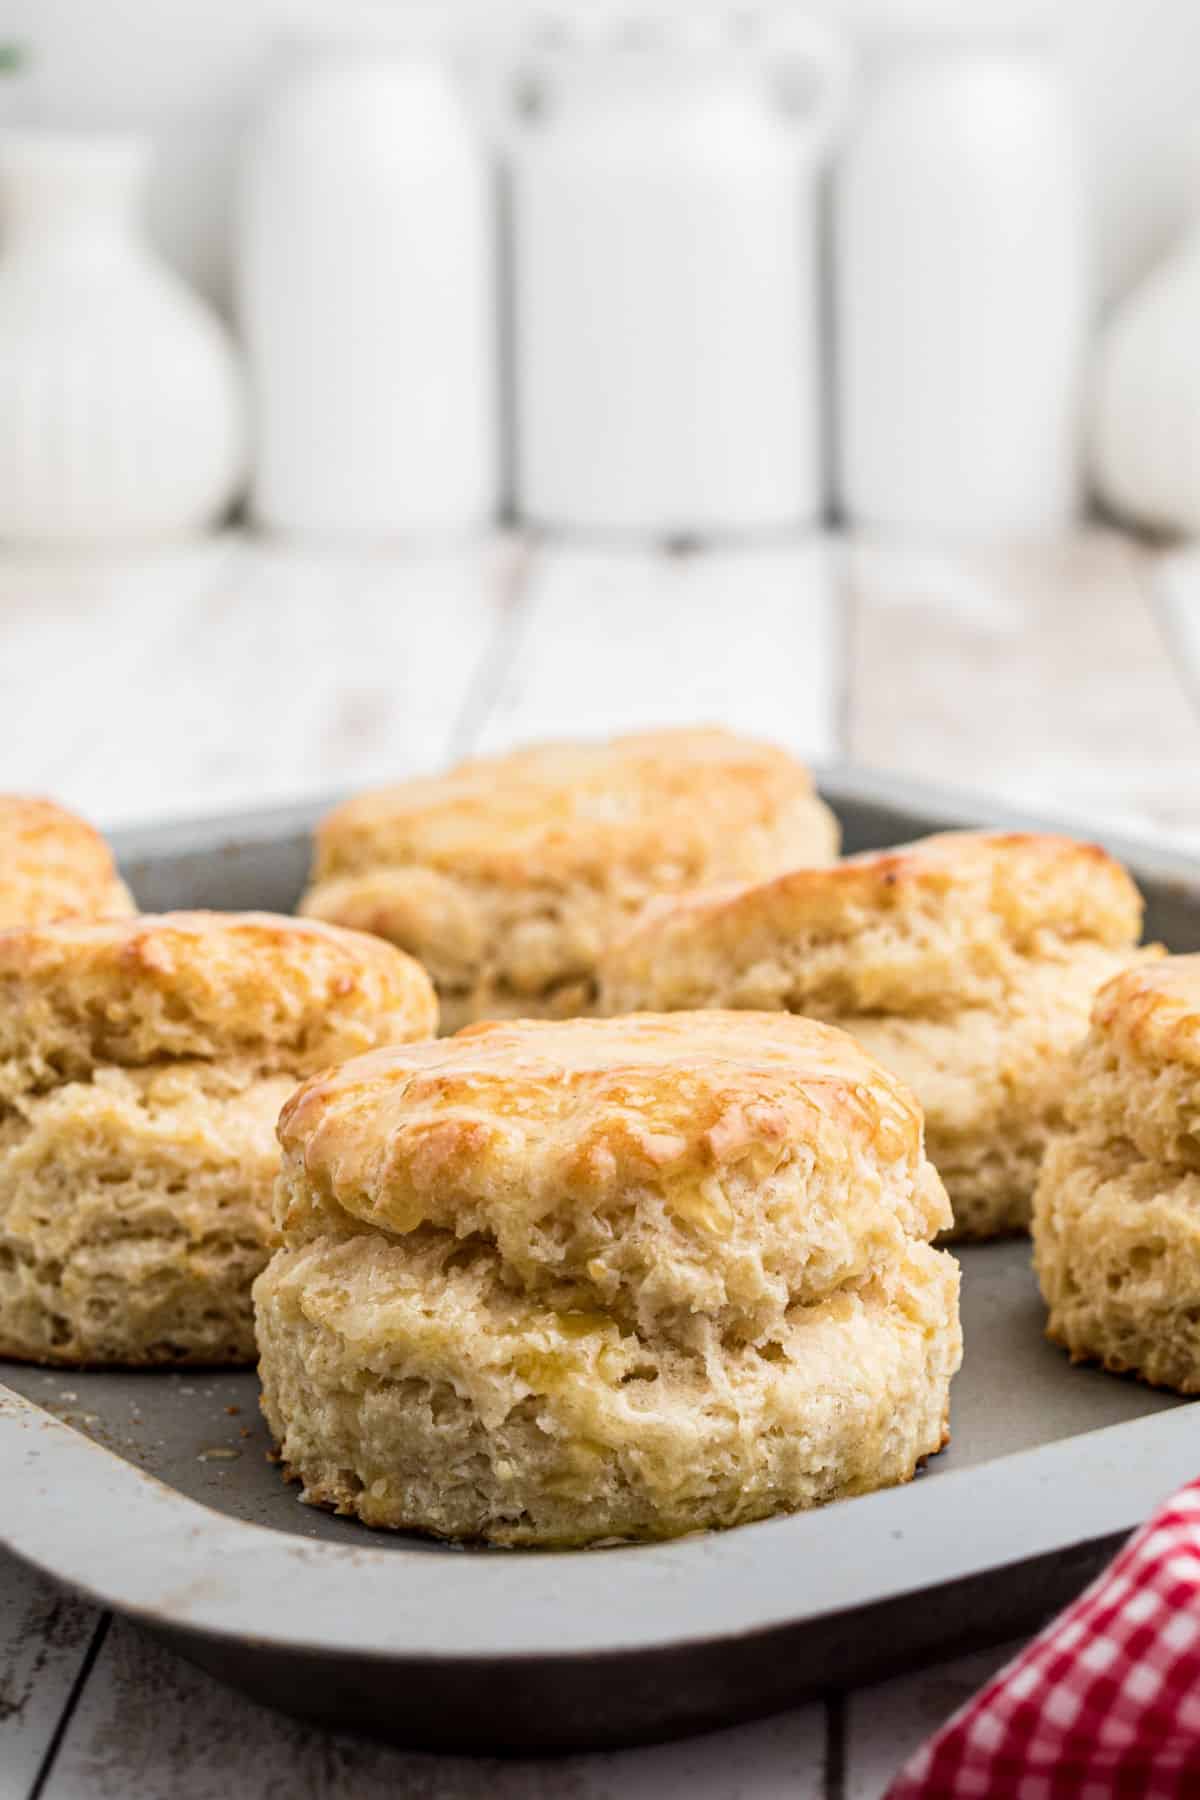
(1104, 1704)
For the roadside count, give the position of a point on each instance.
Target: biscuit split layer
(558, 1283)
(966, 962)
(143, 1064)
(1117, 1215)
(507, 875)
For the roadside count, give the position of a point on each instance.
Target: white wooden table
(1065, 678)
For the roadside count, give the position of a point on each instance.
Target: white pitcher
(665, 290)
(121, 413)
(961, 284)
(367, 295)
(1145, 419)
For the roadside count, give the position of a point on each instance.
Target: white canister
(961, 296)
(665, 295)
(367, 296)
(121, 414)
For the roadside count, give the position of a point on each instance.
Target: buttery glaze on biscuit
(507, 875)
(1116, 1222)
(143, 1063)
(554, 1283)
(290, 992)
(966, 962)
(53, 865)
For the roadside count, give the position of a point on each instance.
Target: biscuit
(554, 1283)
(967, 962)
(53, 865)
(283, 994)
(1116, 1223)
(506, 875)
(143, 1064)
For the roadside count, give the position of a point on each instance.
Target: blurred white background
(189, 69)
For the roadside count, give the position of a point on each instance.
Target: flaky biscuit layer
(1116, 1222)
(135, 1211)
(143, 1063)
(405, 1383)
(508, 875)
(935, 925)
(283, 994)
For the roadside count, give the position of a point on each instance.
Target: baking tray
(152, 1493)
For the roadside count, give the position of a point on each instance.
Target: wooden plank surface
(45, 1637)
(238, 671)
(885, 1724)
(150, 1726)
(1040, 675)
(614, 639)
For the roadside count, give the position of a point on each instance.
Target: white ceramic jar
(1145, 450)
(961, 295)
(367, 297)
(121, 414)
(665, 298)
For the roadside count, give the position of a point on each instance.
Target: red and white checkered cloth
(1104, 1704)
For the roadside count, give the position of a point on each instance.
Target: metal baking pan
(152, 1493)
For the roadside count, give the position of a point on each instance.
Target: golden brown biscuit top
(1018, 882)
(669, 803)
(291, 993)
(534, 1116)
(1153, 1011)
(883, 930)
(54, 865)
